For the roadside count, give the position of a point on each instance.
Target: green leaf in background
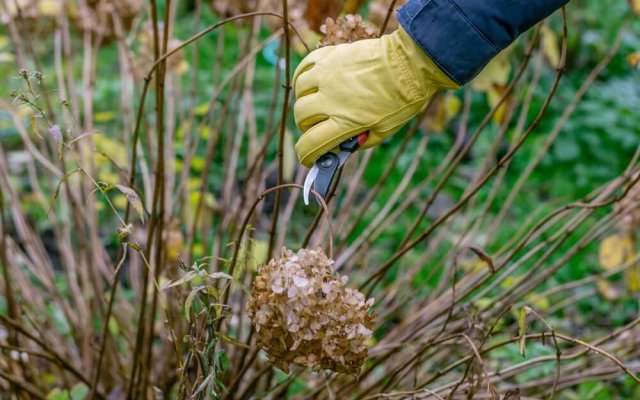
(79, 392)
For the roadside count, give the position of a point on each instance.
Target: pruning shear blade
(311, 177)
(324, 169)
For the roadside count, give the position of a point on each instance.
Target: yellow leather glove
(374, 85)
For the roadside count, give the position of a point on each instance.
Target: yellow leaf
(119, 201)
(50, 378)
(493, 81)
(107, 176)
(452, 105)
(259, 254)
(197, 163)
(112, 148)
(113, 326)
(615, 250)
(634, 59)
(436, 118)
(198, 250)
(180, 131)
(174, 242)
(193, 184)
(497, 72)
(484, 302)
(635, 6)
(205, 132)
(210, 200)
(4, 41)
(202, 109)
(371, 342)
(441, 111)
(509, 281)
(607, 290)
(182, 67)
(194, 199)
(470, 265)
(104, 116)
(540, 303)
(550, 46)
(493, 96)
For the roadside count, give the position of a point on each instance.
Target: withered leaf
(56, 134)
(133, 199)
(484, 257)
(319, 10)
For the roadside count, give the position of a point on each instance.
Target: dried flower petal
(300, 281)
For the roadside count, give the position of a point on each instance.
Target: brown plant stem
(283, 126)
(386, 18)
(105, 329)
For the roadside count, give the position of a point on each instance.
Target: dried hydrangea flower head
(304, 313)
(349, 29)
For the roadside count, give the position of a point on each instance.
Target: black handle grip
(350, 145)
(328, 165)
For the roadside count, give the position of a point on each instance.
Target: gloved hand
(374, 85)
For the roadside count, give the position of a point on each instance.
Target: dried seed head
(304, 313)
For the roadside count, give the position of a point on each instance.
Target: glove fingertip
(316, 141)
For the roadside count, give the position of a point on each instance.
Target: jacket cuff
(453, 43)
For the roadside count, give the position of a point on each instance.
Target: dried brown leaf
(56, 134)
(133, 199)
(484, 257)
(319, 10)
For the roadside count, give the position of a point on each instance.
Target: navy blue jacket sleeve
(462, 36)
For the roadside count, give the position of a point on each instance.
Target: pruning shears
(324, 169)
